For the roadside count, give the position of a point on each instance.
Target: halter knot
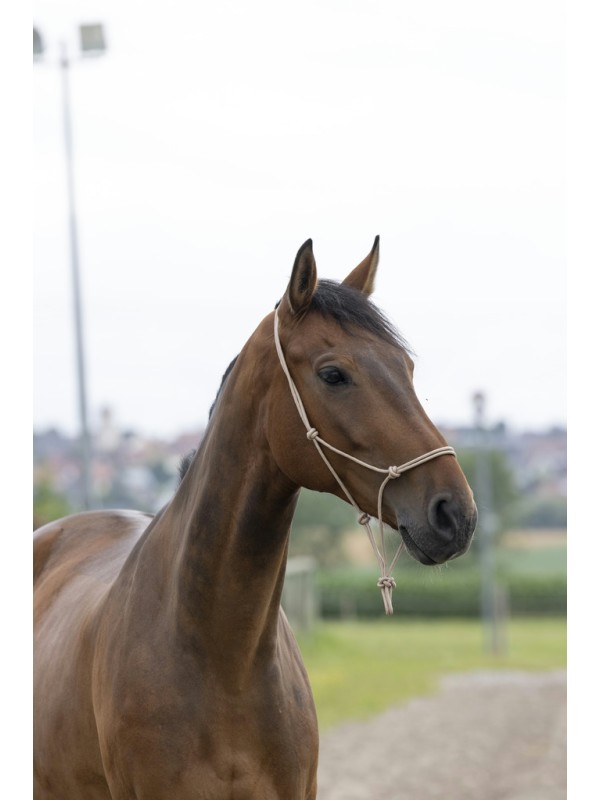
(364, 519)
(395, 472)
(386, 582)
(312, 434)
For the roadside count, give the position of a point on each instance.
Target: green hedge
(436, 593)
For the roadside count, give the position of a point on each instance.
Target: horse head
(352, 375)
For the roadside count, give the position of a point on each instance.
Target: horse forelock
(350, 307)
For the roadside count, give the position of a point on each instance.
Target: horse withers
(164, 667)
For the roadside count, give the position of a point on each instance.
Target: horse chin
(411, 546)
(414, 550)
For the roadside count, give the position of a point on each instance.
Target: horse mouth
(414, 550)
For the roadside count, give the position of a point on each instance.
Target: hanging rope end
(386, 583)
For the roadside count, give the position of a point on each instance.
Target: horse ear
(363, 276)
(304, 279)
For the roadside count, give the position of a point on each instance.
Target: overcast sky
(213, 138)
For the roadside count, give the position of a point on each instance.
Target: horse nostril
(442, 516)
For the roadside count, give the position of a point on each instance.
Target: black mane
(185, 462)
(223, 379)
(349, 307)
(187, 459)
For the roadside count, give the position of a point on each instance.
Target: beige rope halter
(386, 583)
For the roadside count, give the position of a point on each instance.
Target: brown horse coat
(164, 666)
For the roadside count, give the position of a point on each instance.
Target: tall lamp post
(487, 525)
(92, 43)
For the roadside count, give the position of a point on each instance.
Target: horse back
(91, 541)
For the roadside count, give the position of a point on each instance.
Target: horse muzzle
(446, 533)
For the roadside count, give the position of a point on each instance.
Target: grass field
(358, 669)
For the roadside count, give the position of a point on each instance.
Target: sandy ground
(483, 736)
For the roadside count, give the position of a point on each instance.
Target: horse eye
(333, 376)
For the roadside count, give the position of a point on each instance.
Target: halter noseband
(386, 582)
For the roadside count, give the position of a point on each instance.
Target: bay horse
(164, 667)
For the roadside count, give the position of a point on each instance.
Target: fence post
(299, 593)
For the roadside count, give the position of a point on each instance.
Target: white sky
(214, 138)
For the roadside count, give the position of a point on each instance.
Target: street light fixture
(92, 43)
(38, 45)
(91, 39)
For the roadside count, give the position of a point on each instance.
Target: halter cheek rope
(386, 583)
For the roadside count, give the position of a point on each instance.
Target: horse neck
(224, 537)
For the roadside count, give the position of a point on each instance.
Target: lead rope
(386, 582)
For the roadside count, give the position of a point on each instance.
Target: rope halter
(386, 582)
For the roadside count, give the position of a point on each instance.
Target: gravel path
(484, 736)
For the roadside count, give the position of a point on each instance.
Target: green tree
(48, 504)
(319, 526)
(504, 493)
(541, 512)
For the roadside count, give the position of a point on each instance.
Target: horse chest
(230, 757)
(204, 740)
(245, 761)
